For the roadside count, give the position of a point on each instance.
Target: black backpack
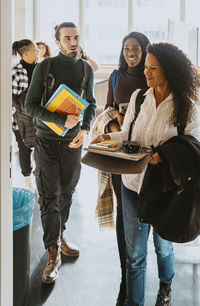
(49, 80)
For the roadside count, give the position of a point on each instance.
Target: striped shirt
(153, 125)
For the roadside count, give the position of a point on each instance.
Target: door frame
(6, 233)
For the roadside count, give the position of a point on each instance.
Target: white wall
(6, 259)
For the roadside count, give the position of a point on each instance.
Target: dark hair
(63, 25)
(48, 51)
(142, 40)
(21, 46)
(182, 77)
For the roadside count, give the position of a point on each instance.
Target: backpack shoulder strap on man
(86, 76)
(116, 75)
(138, 102)
(45, 66)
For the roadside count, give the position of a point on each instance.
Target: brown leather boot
(50, 273)
(68, 248)
(164, 295)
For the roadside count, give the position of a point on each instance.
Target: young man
(58, 158)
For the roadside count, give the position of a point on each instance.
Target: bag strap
(116, 75)
(45, 65)
(138, 102)
(180, 129)
(86, 76)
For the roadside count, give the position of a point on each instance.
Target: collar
(67, 59)
(150, 91)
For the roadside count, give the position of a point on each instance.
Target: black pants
(57, 174)
(116, 182)
(24, 154)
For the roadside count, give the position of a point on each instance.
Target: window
(192, 10)
(106, 23)
(53, 12)
(151, 17)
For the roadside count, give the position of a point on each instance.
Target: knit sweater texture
(130, 80)
(68, 71)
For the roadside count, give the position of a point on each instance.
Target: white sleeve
(128, 118)
(193, 126)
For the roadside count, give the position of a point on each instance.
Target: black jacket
(170, 194)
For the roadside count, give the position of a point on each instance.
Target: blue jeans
(136, 236)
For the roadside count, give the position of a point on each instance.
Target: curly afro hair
(182, 77)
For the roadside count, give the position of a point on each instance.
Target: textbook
(111, 146)
(66, 102)
(94, 148)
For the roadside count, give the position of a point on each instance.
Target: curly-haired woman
(170, 102)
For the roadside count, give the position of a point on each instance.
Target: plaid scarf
(104, 209)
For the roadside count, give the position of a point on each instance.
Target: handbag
(113, 164)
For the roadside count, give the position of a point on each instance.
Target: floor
(93, 279)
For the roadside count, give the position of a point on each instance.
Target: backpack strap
(116, 75)
(86, 76)
(180, 128)
(138, 102)
(46, 65)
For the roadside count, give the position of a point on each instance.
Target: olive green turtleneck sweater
(130, 80)
(68, 71)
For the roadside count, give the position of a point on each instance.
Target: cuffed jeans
(57, 174)
(136, 236)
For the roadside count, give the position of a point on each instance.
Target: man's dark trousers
(57, 174)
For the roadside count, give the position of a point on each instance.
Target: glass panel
(53, 12)
(192, 17)
(151, 17)
(106, 23)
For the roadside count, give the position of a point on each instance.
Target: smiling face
(68, 42)
(154, 72)
(132, 52)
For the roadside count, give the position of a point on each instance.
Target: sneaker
(68, 248)
(50, 273)
(164, 295)
(28, 183)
